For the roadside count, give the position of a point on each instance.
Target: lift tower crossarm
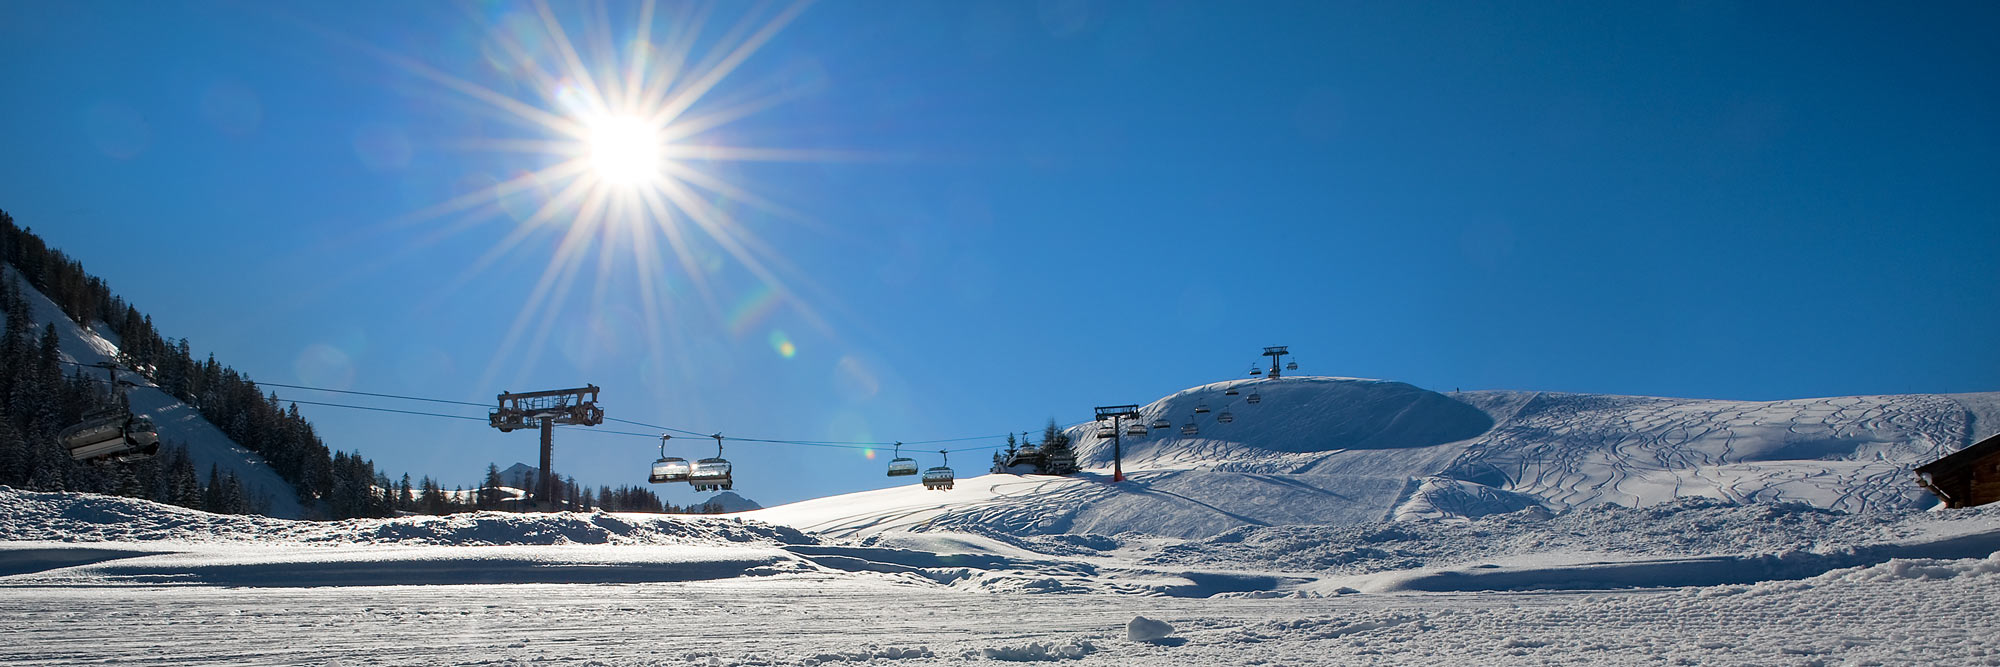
(1117, 414)
(1275, 352)
(546, 410)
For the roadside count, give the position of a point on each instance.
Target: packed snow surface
(88, 578)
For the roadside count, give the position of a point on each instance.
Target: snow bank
(1142, 629)
(1687, 528)
(241, 565)
(1074, 649)
(1295, 414)
(1443, 498)
(85, 517)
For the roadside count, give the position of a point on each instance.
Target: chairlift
(712, 474)
(1224, 417)
(1189, 428)
(1135, 429)
(940, 477)
(1253, 398)
(111, 433)
(1255, 371)
(1231, 392)
(668, 468)
(901, 466)
(1162, 424)
(1291, 365)
(1106, 431)
(1201, 407)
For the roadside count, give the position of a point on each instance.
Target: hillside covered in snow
(1321, 451)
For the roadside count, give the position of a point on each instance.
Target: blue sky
(988, 214)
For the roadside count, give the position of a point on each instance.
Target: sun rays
(624, 139)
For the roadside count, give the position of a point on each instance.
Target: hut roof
(1978, 450)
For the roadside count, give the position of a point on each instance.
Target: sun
(623, 150)
(620, 139)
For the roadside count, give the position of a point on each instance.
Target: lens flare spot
(759, 304)
(870, 453)
(323, 365)
(853, 379)
(782, 344)
(118, 130)
(232, 108)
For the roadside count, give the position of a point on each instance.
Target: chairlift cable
(831, 444)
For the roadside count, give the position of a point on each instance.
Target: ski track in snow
(1904, 612)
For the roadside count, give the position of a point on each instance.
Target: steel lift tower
(1276, 352)
(547, 409)
(1117, 414)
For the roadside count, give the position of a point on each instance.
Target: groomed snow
(88, 578)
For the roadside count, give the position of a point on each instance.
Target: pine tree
(489, 492)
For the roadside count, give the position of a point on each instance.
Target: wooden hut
(1969, 477)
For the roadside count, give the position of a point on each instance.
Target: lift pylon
(1276, 352)
(546, 410)
(1117, 414)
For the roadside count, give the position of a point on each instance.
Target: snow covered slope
(1344, 451)
(177, 422)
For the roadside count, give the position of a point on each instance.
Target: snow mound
(1688, 528)
(84, 517)
(1292, 415)
(1075, 649)
(244, 565)
(1916, 568)
(1443, 497)
(1142, 629)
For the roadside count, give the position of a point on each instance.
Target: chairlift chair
(1231, 392)
(1135, 429)
(712, 474)
(1189, 428)
(1253, 398)
(1106, 432)
(1201, 407)
(939, 478)
(1291, 365)
(668, 468)
(1162, 424)
(111, 434)
(1255, 371)
(902, 465)
(1224, 417)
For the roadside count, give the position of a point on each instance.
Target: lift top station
(547, 410)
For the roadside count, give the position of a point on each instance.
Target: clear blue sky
(993, 213)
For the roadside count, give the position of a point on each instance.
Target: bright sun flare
(624, 150)
(624, 145)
